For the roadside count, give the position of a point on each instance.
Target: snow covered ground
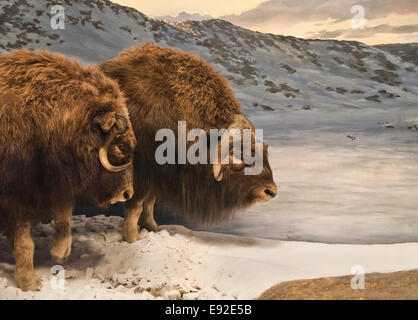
(178, 263)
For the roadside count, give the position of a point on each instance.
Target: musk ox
(163, 86)
(65, 134)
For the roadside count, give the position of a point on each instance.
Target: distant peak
(184, 16)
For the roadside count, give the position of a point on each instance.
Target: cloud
(364, 33)
(285, 12)
(325, 34)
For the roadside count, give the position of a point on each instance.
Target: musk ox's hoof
(28, 282)
(130, 233)
(130, 238)
(59, 259)
(61, 249)
(150, 225)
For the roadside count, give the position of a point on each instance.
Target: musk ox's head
(110, 143)
(240, 176)
(248, 189)
(115, 179)
(211, 193)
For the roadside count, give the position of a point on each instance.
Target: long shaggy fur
(162, 87)
(48, 138)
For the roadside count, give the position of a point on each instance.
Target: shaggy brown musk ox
(65, 133)
(163, 86)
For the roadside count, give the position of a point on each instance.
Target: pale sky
(385, 21)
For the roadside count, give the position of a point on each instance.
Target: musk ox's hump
(31, 63)
(175, 66)
(52, 74)
(177, 80)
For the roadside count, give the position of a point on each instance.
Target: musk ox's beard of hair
(191, 190)
(163, 86)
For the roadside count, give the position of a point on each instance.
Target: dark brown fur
(52, 114)
(163, 86)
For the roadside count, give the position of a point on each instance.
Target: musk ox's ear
(108, 120)
(105, 121)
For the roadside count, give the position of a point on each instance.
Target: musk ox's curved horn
(218, 172)
(217, 168)
(240, 122)
(104, 160)
(119, 128)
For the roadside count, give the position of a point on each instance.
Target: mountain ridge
(184, 16)
(268, 72)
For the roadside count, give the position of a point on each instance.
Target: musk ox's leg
(23, 249)
(147, 217)
(132, 210)
(61, 245)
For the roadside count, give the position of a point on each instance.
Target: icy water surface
(333, 188)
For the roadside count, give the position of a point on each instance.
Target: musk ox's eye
(119, 153)
(238, 167)
(122, 148)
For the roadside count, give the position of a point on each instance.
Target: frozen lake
(334, 189)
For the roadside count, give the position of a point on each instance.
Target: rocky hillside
(268, 72)
(407, 51)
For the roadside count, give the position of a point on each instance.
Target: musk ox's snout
(267, 193)
(270, 192)
(128, 194)
(125, 195)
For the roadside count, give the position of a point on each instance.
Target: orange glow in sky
(298, 27)
(215, 8)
